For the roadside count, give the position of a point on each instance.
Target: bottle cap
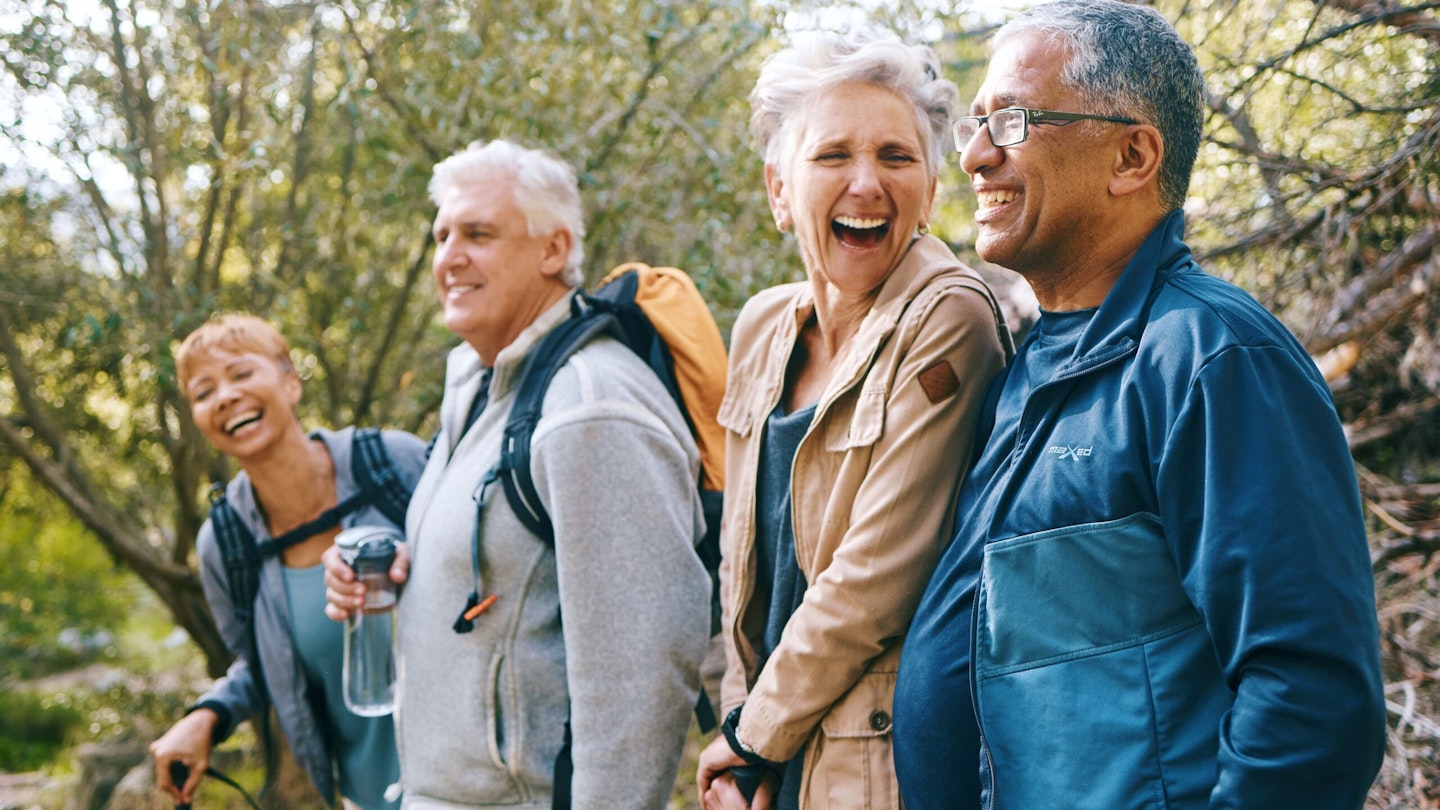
(369, 546)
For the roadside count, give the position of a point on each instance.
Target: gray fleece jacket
(606, 627)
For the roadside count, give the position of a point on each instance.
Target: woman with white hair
(849, 410)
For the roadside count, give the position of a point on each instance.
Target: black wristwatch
(745, 752)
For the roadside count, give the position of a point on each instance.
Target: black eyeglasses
(1011, 125)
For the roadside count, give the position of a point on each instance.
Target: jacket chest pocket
(856, 418)
(1050, 597)
(743, 409)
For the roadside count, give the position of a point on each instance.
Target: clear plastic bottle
(368, 679)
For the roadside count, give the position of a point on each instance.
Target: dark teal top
(779, 579)
(364, 746)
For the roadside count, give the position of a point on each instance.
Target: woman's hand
(715, 783)
(188, 741)
(343, 593)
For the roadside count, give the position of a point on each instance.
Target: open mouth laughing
(860, 231)
(235, 423)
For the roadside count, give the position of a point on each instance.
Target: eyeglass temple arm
(1036, 116)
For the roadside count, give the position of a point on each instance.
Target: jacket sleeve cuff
(762, 731)
(225, 719)
(737, 745)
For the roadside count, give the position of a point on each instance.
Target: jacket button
(879, 720)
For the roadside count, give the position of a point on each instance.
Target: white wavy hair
(545, 190)
(817, 61)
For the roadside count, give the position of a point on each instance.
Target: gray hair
(1129, 61)
(820, 61)
(545, 190)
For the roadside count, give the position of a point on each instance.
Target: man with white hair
(588, 654)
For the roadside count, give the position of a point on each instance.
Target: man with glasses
(1159, 594)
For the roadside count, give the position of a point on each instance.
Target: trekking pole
(179, 772)
(747, 779)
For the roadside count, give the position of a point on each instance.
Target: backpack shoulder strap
(239, 554)
(545, 360)
(376, 475)
(379, 484)
(242, 558)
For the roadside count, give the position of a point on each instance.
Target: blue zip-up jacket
(1165, 573)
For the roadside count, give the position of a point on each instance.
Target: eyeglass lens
(1007, 128)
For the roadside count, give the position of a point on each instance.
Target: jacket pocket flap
(866, 422)
(737, 409)
(864, 711)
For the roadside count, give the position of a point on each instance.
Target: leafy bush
(62, 598)
(34, 731)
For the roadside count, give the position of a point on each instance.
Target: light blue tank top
(363, 747)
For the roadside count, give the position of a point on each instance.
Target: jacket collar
(927, 258)
(1121, 318)
(464, 371)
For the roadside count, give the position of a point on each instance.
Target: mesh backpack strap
(239, 554)
(242, 558)
(545, 360)
(376, 475)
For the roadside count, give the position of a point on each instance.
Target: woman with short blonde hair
(235, 371)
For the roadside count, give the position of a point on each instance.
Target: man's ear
(557, 252)
(1137, 163)
(774, 188)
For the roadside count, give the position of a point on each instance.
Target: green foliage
(273, 158)
(62, 600)
(34, 731)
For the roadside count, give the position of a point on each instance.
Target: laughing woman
(235, 371)
(849, 411)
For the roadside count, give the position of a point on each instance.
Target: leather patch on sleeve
(939, 381)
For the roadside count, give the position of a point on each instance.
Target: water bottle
(368, 679)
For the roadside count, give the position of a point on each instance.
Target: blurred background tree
(272, 158)
(164, 159)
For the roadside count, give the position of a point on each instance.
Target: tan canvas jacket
(873, 491)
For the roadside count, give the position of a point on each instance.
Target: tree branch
(122, 541)
(1389, 424)
(1380, 295)
(420, 135)
(36, 415)
(389, 337)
